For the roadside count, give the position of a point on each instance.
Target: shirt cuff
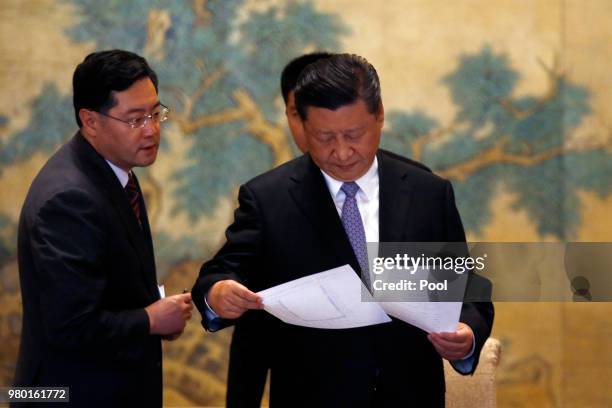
(466, 364)
(213, 321)
(210, 310)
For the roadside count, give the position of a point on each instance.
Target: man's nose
(150, 127)
(343, 151)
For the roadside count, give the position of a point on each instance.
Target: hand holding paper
(230, 299)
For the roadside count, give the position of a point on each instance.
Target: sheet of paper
(327, 300)
(418, 307)
(428, 316)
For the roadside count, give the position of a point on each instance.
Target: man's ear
(89, 121)
(380, 115)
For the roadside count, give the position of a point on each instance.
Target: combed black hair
(337, 81)
(294, 68)
(104, 72)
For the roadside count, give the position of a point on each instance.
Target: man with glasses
(93, 319)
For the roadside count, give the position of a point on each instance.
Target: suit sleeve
(477, 315)
(68, 241)
(235, 260)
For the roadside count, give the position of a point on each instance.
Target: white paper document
(326, 300)
(337, 299)
(417, 310)
(428, 316)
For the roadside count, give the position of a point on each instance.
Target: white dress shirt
(121, 174)
(366, 197)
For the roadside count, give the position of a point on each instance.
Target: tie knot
(350, 189)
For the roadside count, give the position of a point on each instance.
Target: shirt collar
(121, 174)
(367, 183)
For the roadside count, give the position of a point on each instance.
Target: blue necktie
(351, 220)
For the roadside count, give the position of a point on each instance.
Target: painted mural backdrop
(219, 63)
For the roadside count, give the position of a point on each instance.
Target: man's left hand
(453, 346)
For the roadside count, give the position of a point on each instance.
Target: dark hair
(337, 81)
(294, 68)
(102, 73)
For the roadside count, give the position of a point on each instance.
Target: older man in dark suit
(315, 213)
(93, 319)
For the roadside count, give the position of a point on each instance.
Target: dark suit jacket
(287, 227)
(87, 271)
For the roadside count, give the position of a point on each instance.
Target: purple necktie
(351, 220)
(133, 194)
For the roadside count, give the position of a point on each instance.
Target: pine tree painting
(219, 68)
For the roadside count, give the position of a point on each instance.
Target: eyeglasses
(157, 116)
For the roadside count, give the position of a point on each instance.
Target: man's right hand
(229, 299)
(169, 315)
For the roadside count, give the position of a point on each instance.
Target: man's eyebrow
(355, 129)
(139, 110)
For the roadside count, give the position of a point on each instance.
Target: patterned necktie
(133, 194)
(351, 220)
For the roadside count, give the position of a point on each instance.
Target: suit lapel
(146, 227)
(311, 195)
(100, 173)
(395, 195)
